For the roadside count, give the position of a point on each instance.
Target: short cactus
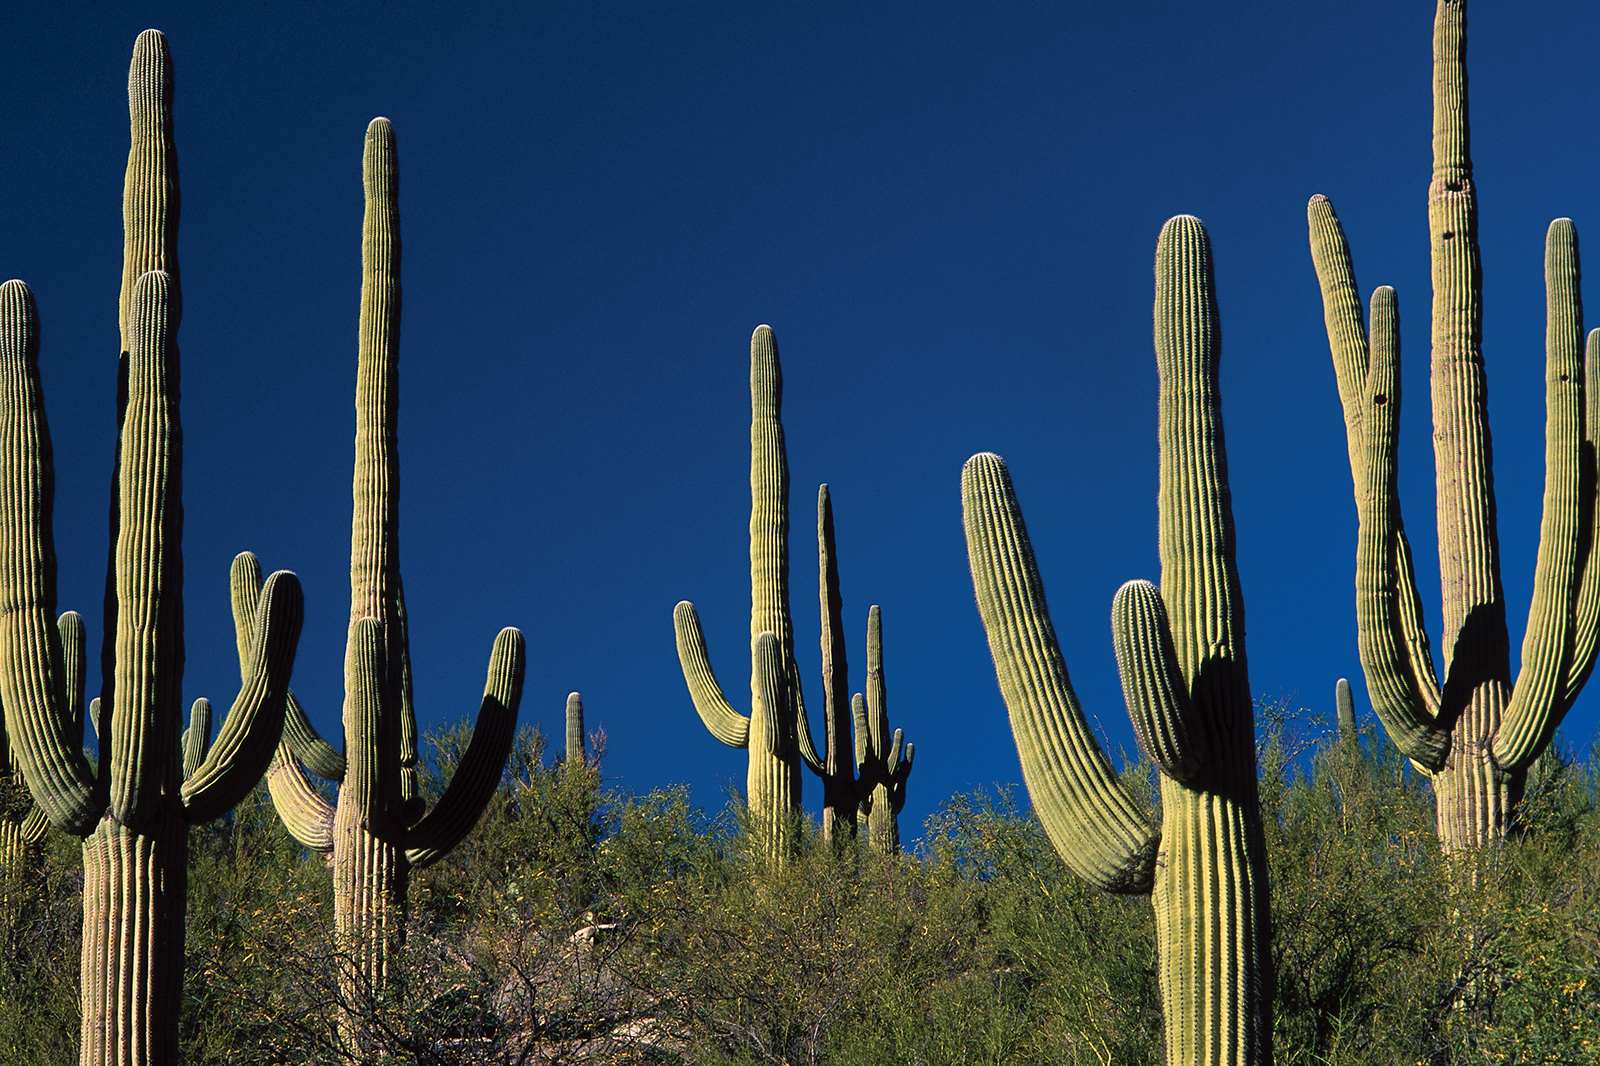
(1476, 734)
(151, 785)
(1180, 652)
(376, 830)
(776, 732)
(575, 753)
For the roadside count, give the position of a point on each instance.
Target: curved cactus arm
(320, 757)
(862, 745)
(900, 760)
(304, 813)
(1349, 343)
(1093, 821)
(34, 824)
(412, 803)
(1345, 705)
(149, 562)
(1159, 707)
(1379, 597)
(1538, 700)
(197, 738)
(94, 716)
(575, 751)
(767, 718)
(70, 628)
(46, 745)
(479, 773)
(254, 725)
(1586, 623)
(725, 723)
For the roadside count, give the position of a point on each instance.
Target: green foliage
(580, 925)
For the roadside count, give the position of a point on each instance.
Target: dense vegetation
(582, 924)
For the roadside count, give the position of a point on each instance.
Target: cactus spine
(776, 732)
(1476, 734)
(376, 830)
(134, 814)
(1180, 652)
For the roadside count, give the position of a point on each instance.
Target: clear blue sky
(949, 217)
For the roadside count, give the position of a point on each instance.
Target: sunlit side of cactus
(1180, 652)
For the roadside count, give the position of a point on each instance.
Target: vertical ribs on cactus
(152, 781)
(1476, 733)
(777, 733)
(1180, 653)
(377, 829)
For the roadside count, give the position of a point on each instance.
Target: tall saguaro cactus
(376, 830)
(1477, 733)
(154, 779)
(776, 731)
(1180, 652)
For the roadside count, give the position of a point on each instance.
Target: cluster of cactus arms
(1180, 653)
(776, 731)
(154, 778)
(1477, 733)
(377, 830)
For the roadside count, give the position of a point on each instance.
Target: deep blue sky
(949, 216)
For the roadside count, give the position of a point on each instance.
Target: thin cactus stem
(575, 754)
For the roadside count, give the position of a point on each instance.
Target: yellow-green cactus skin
(1477, 733)
(377, 829)
(154, 779)
(777, 732)
(1180, 652)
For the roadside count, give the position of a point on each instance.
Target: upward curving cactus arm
(45, 741)
(1093, 821)
(1548, 649)
(254, 725)
(724, 723)
(1165, 723)
(197, 738)
(478, 775)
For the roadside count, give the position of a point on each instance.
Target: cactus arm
(1091, 819)
(1380, 596)
(44, 743)
(1586, 623)
(1341, 312)
(70, 628)
(34, 824)
(304, 813)
(254, 725)
(725, 723)
(149, 563)
(1537, 701)
(1158, 702)
(479, 773)
(862, 744)
(575, 751)
(197, 738)
(1345, 712)
(320, 757)
(412, 803)
(766, 721)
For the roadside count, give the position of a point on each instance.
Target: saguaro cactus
(575, 752)
(1180, 652)
(1477, 733)
(873, 783)
(776, 732)
(376, 830)
(151, 782)
(22, 821)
